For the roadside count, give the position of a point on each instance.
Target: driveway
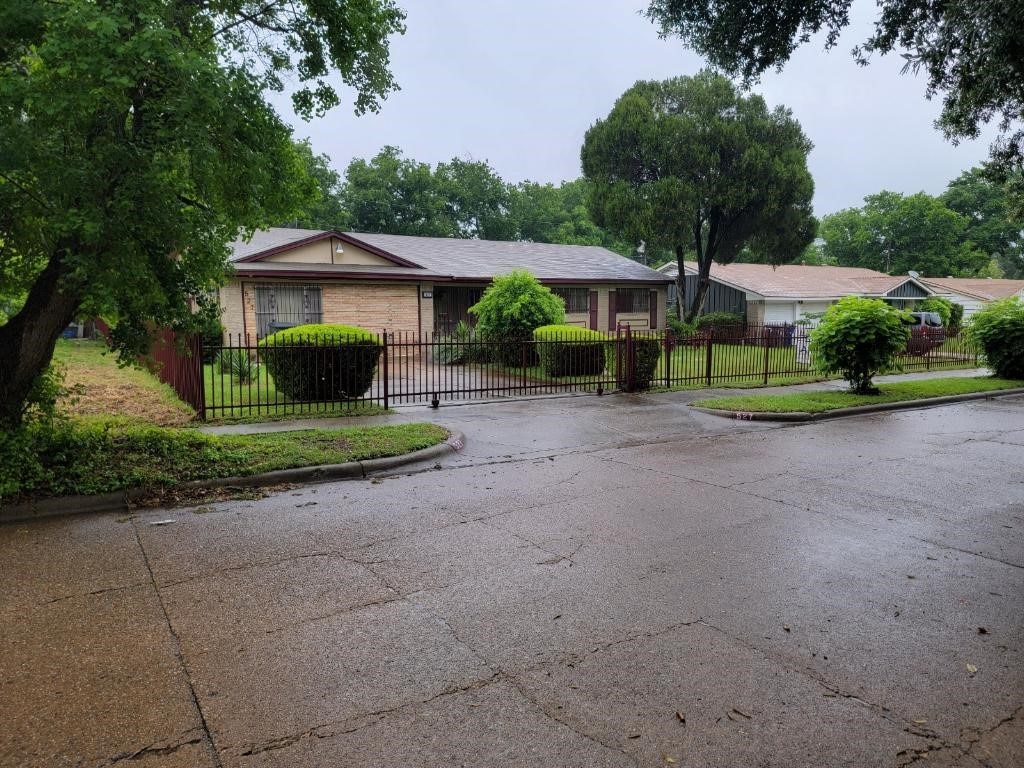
(593, 582)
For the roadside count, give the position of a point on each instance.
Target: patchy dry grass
(101, 388)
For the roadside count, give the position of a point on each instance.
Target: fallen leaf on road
(634, 735)
(982, 631)
(972, 669)
(162, 522)
(920, 722)
(669, 760)
(738, 714)
(680, 717)
(785, 628)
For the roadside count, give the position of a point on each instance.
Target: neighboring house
(973, 292)
(777, 295)
(421, 284)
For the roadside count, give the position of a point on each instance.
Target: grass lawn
(101, 388)
(728, 361)
(819, 402)
(228, 401)
(96, 456)
(125, 429)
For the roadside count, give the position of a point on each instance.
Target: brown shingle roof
(981, 288)
(271, 239)
(443, 258)
(483, 259)
(799, 281)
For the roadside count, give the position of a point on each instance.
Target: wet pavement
(613, 581)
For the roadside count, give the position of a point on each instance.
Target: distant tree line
(967, 231)
(393, 194)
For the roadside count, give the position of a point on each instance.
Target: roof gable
(268, 243)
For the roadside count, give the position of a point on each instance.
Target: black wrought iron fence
(243, 378)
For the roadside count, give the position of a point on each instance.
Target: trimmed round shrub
(999, 330)
(568, 350)
(510, 309)
(321, 362)
(859, 338)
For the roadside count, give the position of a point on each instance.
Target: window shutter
(612, 310)
(654, 310)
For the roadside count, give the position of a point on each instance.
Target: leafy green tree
(968, 50)
(394, 195)
(544, 213)
(690, 164)
(999, 329)
(476, 200)
(896, 233)
(859, 338)
(136, 142)
(512, 307)
(326, 210)
(990, 228)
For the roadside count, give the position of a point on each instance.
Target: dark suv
(926, 333)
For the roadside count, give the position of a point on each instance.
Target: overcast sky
(518, 84)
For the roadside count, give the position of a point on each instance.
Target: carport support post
(384, 334)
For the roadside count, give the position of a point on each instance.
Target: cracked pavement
(613, 581)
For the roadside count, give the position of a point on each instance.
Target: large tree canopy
(970, 51)
(896, 233)
(689, 164)
(991, 227)
(396, 195)
(136, 141)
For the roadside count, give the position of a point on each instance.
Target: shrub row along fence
(239, 378)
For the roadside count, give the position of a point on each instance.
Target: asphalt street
(613, 581)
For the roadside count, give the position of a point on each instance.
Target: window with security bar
(282, 306)
(632, 300)
(576, 299)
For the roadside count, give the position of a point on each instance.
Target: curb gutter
(122, 501)
(858, 410)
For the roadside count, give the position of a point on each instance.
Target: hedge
(568, 350)
(322, 363)
(647, 352)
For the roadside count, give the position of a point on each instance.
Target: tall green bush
(859, 338)
(646, 354)
(321, 363)
(941, 306)
(511, 308)
(568, 350)
(999, 330)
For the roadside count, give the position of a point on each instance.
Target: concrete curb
(858, 410)
(121, 501)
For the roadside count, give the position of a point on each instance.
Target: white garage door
(778, 312)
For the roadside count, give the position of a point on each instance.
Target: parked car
(926, 333)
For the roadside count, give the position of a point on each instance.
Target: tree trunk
(681, 283)
(703, 285)
(28, 339)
